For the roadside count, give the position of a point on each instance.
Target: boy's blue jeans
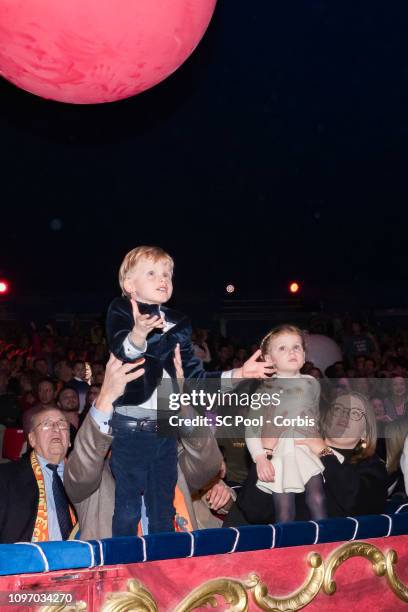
(142, 463)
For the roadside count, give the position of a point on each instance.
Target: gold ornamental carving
(237, 593)
(395, 584)
(347, 551)
(232, 591)
(136, 599)
(299, 598)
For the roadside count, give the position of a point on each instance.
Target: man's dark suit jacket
(159, 353)
(18, 501)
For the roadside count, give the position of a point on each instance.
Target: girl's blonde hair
(132, 258)
(395, 434)
(277, 331)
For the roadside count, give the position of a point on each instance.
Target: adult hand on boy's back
(117, 375)
(144, 324)
(178, 364)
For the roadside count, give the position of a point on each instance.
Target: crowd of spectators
(46, 368)
(49, 369)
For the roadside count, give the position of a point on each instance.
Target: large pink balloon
(87, 51)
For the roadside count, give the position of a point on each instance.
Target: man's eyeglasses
(355, 414)
(61, 425)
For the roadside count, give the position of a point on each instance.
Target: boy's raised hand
(144, 324)
(253, 368)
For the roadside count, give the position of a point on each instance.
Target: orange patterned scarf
(182, 520)
(40, 533)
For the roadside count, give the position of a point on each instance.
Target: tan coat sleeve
(84, 468)
(199, 456)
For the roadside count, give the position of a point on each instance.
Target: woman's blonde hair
(132, 258)
(366, 448)
(395, 434)
(277, 331)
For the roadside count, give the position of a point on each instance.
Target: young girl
(284, 465)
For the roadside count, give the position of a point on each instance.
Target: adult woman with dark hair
(355, 478)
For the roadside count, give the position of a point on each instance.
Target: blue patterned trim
(26, 558)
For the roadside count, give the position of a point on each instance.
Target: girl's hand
(265, 469)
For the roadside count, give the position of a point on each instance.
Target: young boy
(139, 325)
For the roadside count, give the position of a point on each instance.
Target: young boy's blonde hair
(277, 331)
(132, 258)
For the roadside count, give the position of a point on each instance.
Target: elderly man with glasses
(34, 506)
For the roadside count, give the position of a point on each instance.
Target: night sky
(278, 150)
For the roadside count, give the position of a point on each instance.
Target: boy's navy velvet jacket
(159, 353)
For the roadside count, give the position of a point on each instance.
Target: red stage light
(294, 287)
(4, 287)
